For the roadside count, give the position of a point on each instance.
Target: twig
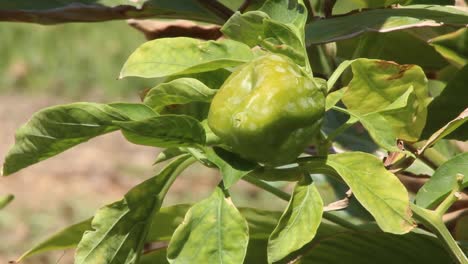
(244, 6)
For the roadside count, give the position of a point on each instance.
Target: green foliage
(174, 56)
(213, 231)
(299, 223)
(443, 181)
(229, 105)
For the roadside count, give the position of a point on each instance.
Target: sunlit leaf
(298, 224)
(175, 56)
(380, 86)
(164, 131)
(120, 229)
(213, 231)
(378, 190)
(56, 129)
(443, 181)
(179, 91)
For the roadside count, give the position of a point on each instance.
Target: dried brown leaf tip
(154, 29)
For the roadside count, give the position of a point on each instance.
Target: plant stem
(430, 157)
(267, 187)
(286, 197)
(341, 129)
(433, 221)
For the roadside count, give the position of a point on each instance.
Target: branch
(178, 28)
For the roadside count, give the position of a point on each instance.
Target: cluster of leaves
(389, 100)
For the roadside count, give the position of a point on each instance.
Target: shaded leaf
(135, 112)
(56, 129)
(164, 131)
(120, 229)
(156, 256)
(383, 20)
(175, 56)
(345, 6)
(446, 130)
(51, 12)
(164, 223)
(443, 181)
(168, 154)
(231, 165)
(447, 106)
(66, 238)
(402, 47)
(298, 224)
(179, 91)
(372, 246)
(213, 231)
(379, 86)
(453, 47)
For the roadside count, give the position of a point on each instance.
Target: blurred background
(41, 66)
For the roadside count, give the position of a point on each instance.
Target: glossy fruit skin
(268, 110)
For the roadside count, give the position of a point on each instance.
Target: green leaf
(379, 86)
(256, 28)
(261, 223)
(135, 112)
(175, 56)
(56, 129)
(168, 154)
(247, 28)
(164, 131)
(453, 47)
(67, 238)
(5, 200)
(232, 167)
(383, 20)
(298, 224)
(378, 190)
(287, 12)
(447, 106)
(443, 181)
(164, 223)
(213, 231)
(179, 91)
(51, 12)
(333, 98)
(372, 246)
(402, 47)
(446, 130)
(377, 126)
(345, 6)
(120, 229)
(155, 256)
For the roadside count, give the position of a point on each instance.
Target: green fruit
(268, 110)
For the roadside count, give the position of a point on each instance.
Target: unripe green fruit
(268, 110)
